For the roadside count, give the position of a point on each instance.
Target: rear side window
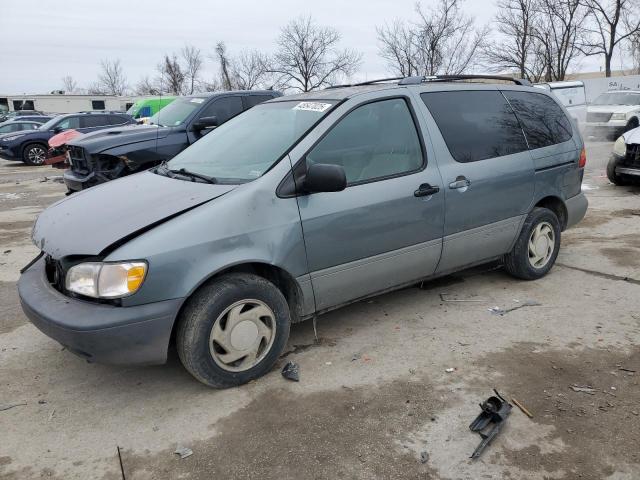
(93, 121)
(116, 120)
(253, 100)
(375, 140)
(476, 125)
(223, 108)
(542, 119)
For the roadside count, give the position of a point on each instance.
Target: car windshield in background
(176, 112)
(246, 146)
(618, 99)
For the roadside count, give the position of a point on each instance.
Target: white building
(65, 103)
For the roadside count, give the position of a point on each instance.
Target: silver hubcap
(541, 245)
(36, 155)
(242, 335)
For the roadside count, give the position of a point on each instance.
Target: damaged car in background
(299, 206)
(115, 153)
(624, 166)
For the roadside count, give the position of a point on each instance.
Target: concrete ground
(376, 392)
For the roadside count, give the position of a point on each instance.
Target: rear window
(476, 125)
(542, 119)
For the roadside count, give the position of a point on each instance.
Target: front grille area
(55, 273)
(598, 116)
(78, 160)
(633, 156)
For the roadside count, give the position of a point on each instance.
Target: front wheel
(34, 154)
(612, 175)
(537, 246)
(233, 330)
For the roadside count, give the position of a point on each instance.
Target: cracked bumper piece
(77, 182)
(137, 335)
(576, 209)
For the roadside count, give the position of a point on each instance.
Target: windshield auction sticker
(312, 106)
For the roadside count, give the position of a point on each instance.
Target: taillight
(583, 158)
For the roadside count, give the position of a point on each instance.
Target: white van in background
(571, 95)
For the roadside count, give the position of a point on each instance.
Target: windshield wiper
(187, 173)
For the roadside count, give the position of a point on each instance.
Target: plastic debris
(586, 389)
(184, 452)
(490, 421)
(449, 370)
(291, 371)
(424, 457)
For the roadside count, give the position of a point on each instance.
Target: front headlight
(106, 280)
(620, 147)
(618, 116)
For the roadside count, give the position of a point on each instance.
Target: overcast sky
(42, 41)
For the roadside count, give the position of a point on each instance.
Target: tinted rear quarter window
(223, 108)
(93, 121)
(542, 119)
(476, 125)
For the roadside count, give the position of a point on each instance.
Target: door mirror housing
(323, 177)
(204, 123)
(57, 129)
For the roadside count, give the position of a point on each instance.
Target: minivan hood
(118, 136)
(612, 108)
(89, 222)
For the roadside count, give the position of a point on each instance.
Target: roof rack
(449, 78)
(417, 80)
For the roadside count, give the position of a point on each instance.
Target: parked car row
(293, 208)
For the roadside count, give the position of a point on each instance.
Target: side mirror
(57, 129)
(204, 123)
(322, 177)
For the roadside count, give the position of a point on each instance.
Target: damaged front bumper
(137, 335)
(77, 182)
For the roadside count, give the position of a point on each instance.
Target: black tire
(517, 262)
(29, 154)
(203, 310)
(612, 175)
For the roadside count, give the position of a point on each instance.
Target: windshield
(176, 112)
(50, 124)
(246, 146)
(618, 98)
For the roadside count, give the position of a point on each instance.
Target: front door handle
(425, 190)
(460, 183)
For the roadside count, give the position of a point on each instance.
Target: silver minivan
(299, 206)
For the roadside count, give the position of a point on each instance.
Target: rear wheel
(537, 246)
(34, 154)
(233, 330)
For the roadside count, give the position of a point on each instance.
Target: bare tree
(560, 29)
(634, 51)
(172, 76)
(250, 70)
(193, 62)
(111, 78)
(96, 88)
(612, 22)
(146, 86)
(443, 41)
(518, 48)
(398, 48)
(308, 56)
(69, 85)
(226, 79)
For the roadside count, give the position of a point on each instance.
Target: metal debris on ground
(184, 452)
(522, 407)
(444, 298)
(502, 311)
(490, 421)
(424, 457)
(291, 371)
(585, 389)
(626, 370)
(11, 405)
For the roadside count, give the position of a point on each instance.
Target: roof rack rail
(448, 78)
(368, 82)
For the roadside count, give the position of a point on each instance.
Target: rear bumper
(77, 182)
(576, 209)
(99, 333)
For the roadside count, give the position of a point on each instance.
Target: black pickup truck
(109, 154)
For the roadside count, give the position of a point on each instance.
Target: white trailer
(65, 103)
